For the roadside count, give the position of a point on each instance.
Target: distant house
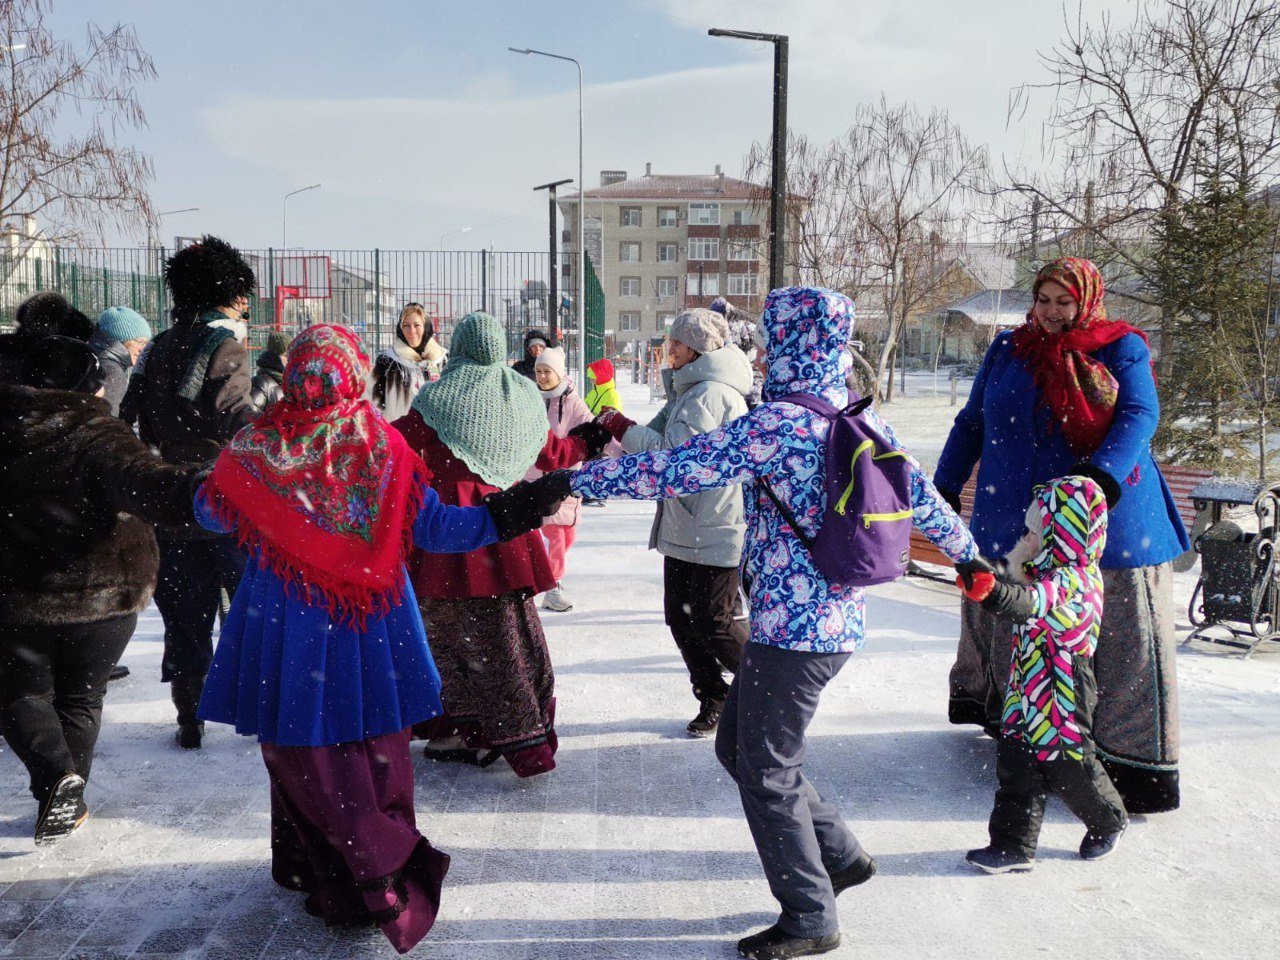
(977, 298)
(25, 256)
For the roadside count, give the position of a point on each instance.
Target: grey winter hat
(703, 330)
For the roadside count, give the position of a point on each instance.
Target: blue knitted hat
(121, 323)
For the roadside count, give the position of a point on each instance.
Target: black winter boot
(1095, 846)
(860, 871)
(186, 698)
(63, 810)
(776, 944)
(705, 723)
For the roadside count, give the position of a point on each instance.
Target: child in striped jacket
(1051, 587)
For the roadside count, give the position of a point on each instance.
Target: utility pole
(553, 293)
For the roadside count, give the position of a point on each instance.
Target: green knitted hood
(491, 417)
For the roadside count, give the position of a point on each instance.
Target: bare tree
(1132, 107)
(885, 212)
(63, 112)
(827, 238)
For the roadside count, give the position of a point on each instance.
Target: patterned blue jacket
(792, 605)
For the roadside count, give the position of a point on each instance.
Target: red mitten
(613, 421)
(983, 584)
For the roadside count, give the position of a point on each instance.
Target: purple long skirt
(342, 831)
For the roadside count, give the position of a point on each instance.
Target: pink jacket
(564, 413)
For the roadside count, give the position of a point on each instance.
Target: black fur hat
(207, 275)
(48, 314)
(62, 363)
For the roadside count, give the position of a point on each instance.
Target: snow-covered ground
(635, 846)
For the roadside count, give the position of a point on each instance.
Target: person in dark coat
(535, 341)
(268, 381)
(41, 315)
(118, 339)
(192, 393)
(78, 565)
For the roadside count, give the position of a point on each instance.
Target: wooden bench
(1181, 480)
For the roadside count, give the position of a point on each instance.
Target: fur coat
(80, 492)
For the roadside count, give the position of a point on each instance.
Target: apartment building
(663, 242)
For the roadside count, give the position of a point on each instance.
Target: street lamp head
(748, 35)
(526, 51)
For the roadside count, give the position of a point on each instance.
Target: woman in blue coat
(1073, 392)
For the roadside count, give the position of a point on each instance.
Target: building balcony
(743, 231)
(703, 230)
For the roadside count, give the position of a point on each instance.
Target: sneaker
(776, 944)
(705, 723)
(995, 860)
(190, 736)
(860, 871)
(63, 811)
(556, 600)
(1095, 846)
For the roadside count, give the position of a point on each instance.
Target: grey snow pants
(799, 836)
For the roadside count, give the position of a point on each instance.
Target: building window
(704, 248)
(668, 288)
(629, 320)
(668, 216)
(629, 286)
(742, 250)
(668, 253)
(705, 214)
(742, 284)
(708, 286)
(743, 218)
(666, 318)
(628, 216)
(629, 252)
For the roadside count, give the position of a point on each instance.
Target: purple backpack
(865, 534)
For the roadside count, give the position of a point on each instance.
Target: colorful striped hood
(1073, 517)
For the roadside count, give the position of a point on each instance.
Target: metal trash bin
(1237, 592)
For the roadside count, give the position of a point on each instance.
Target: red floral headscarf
(320, 486)
(1078, 389)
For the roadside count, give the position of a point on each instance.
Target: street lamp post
(778, 189)
(553, 289)
(168, 213)
(284, 214)
(582, 200)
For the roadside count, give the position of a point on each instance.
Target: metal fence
(364, 289)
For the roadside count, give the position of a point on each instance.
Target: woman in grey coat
(700, 536)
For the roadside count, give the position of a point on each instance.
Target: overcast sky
(418, 122)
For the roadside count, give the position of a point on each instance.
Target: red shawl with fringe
(320, 486)
(1079, 390)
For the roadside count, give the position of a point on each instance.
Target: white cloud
(474, 158)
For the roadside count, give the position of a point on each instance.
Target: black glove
(953, 499)
(595, 436)
(1110, 488)
(966, 569)
(522, 508)
(1010, 600)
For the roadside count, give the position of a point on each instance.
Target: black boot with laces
(706, 721)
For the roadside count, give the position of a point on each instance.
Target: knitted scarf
(320, 486)
(216, 332)
(490, 416)
(1079, 390)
